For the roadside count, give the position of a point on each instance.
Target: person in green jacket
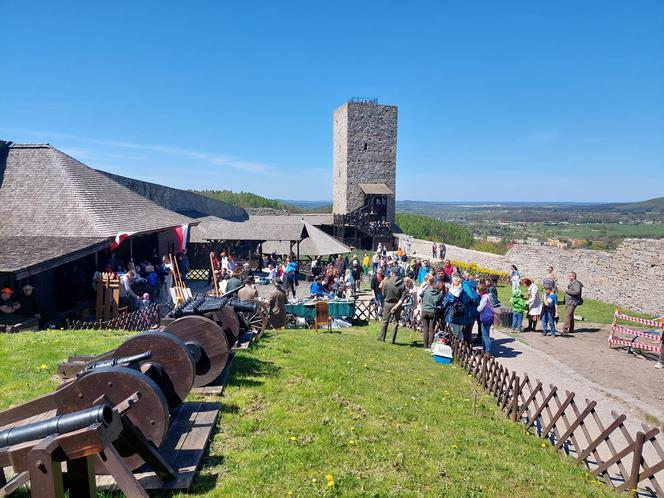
(518, 308)
(432, 303)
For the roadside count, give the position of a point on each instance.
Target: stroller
(408, 315)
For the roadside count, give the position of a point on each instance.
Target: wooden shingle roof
(26, 256)
(44, 192)
(213, 228)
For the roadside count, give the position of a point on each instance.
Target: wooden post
(516, 392)
(632, 482)
(483, 373)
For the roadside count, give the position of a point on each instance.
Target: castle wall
(632, 276)
(181, 201)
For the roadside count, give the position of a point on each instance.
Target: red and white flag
(119, 239)
(182, 234)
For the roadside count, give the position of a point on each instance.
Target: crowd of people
(451, 299)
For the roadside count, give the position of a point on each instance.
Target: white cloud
(213, 158)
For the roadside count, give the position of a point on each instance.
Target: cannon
(62, 424)
(200, 339)
(122, 361)
(228, 312)
(84, 439)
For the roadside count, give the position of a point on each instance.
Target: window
(366, 146)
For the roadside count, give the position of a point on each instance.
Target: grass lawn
(381, 420)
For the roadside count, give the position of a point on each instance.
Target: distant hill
(244, 199)
(656, 205)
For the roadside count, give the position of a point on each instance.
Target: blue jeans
(457, 330)
(486, 339)
(517, 320)
(548, 323)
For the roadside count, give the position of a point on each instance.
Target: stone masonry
(182, 201)
(365, 146)
(632, 276)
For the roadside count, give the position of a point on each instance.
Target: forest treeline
(244, 199)
(425, 227)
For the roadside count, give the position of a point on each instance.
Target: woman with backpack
(454, 307)
(432, 301)
(485, 310)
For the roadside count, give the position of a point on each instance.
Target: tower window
(366, 146)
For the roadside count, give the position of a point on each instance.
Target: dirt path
(584, 362)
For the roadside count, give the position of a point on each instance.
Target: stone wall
(182, 201)
(632, 276)
(365, 147)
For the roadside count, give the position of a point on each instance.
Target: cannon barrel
(242, 306)
(102, 414)
(119, 361)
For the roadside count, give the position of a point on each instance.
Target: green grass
(28, 360)
(382, 420)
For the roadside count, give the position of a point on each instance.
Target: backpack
(458, 308)
(487, 314)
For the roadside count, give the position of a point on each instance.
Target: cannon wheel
(257, 321)
(150, 414)
(212, 340)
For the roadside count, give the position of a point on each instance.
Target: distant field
(610, 230)
(600, 231)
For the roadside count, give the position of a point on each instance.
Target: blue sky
(510, 101)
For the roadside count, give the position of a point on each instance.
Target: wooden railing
(142, 319)
(611, 453)
(371, 223)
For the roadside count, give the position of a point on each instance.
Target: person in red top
(448, 269)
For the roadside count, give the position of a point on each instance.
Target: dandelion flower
(543, 445)
(43, 366)
(330, 484)
(454, 446)
(351, 442)
(329, 477)
(293, 438)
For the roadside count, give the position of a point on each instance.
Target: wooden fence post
(632, 482)
(516, 391)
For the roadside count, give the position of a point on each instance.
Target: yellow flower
(454, 446)
(290, 493)
(330, 484)
(293, 438)
(543, 445)
(314, 481)
(351, 442)
(329, 477)
(43, 366)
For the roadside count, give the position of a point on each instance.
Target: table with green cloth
(336, 308)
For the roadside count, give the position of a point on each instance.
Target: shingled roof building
(56, 210)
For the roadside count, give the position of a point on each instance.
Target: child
(549, 311)
(145, 301)
(518, 307)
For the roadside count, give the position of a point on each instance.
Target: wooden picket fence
(142, 319)
(607, 448)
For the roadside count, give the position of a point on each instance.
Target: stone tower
(365, 155)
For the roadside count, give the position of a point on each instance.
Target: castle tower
(364, 156)
(365, 167)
